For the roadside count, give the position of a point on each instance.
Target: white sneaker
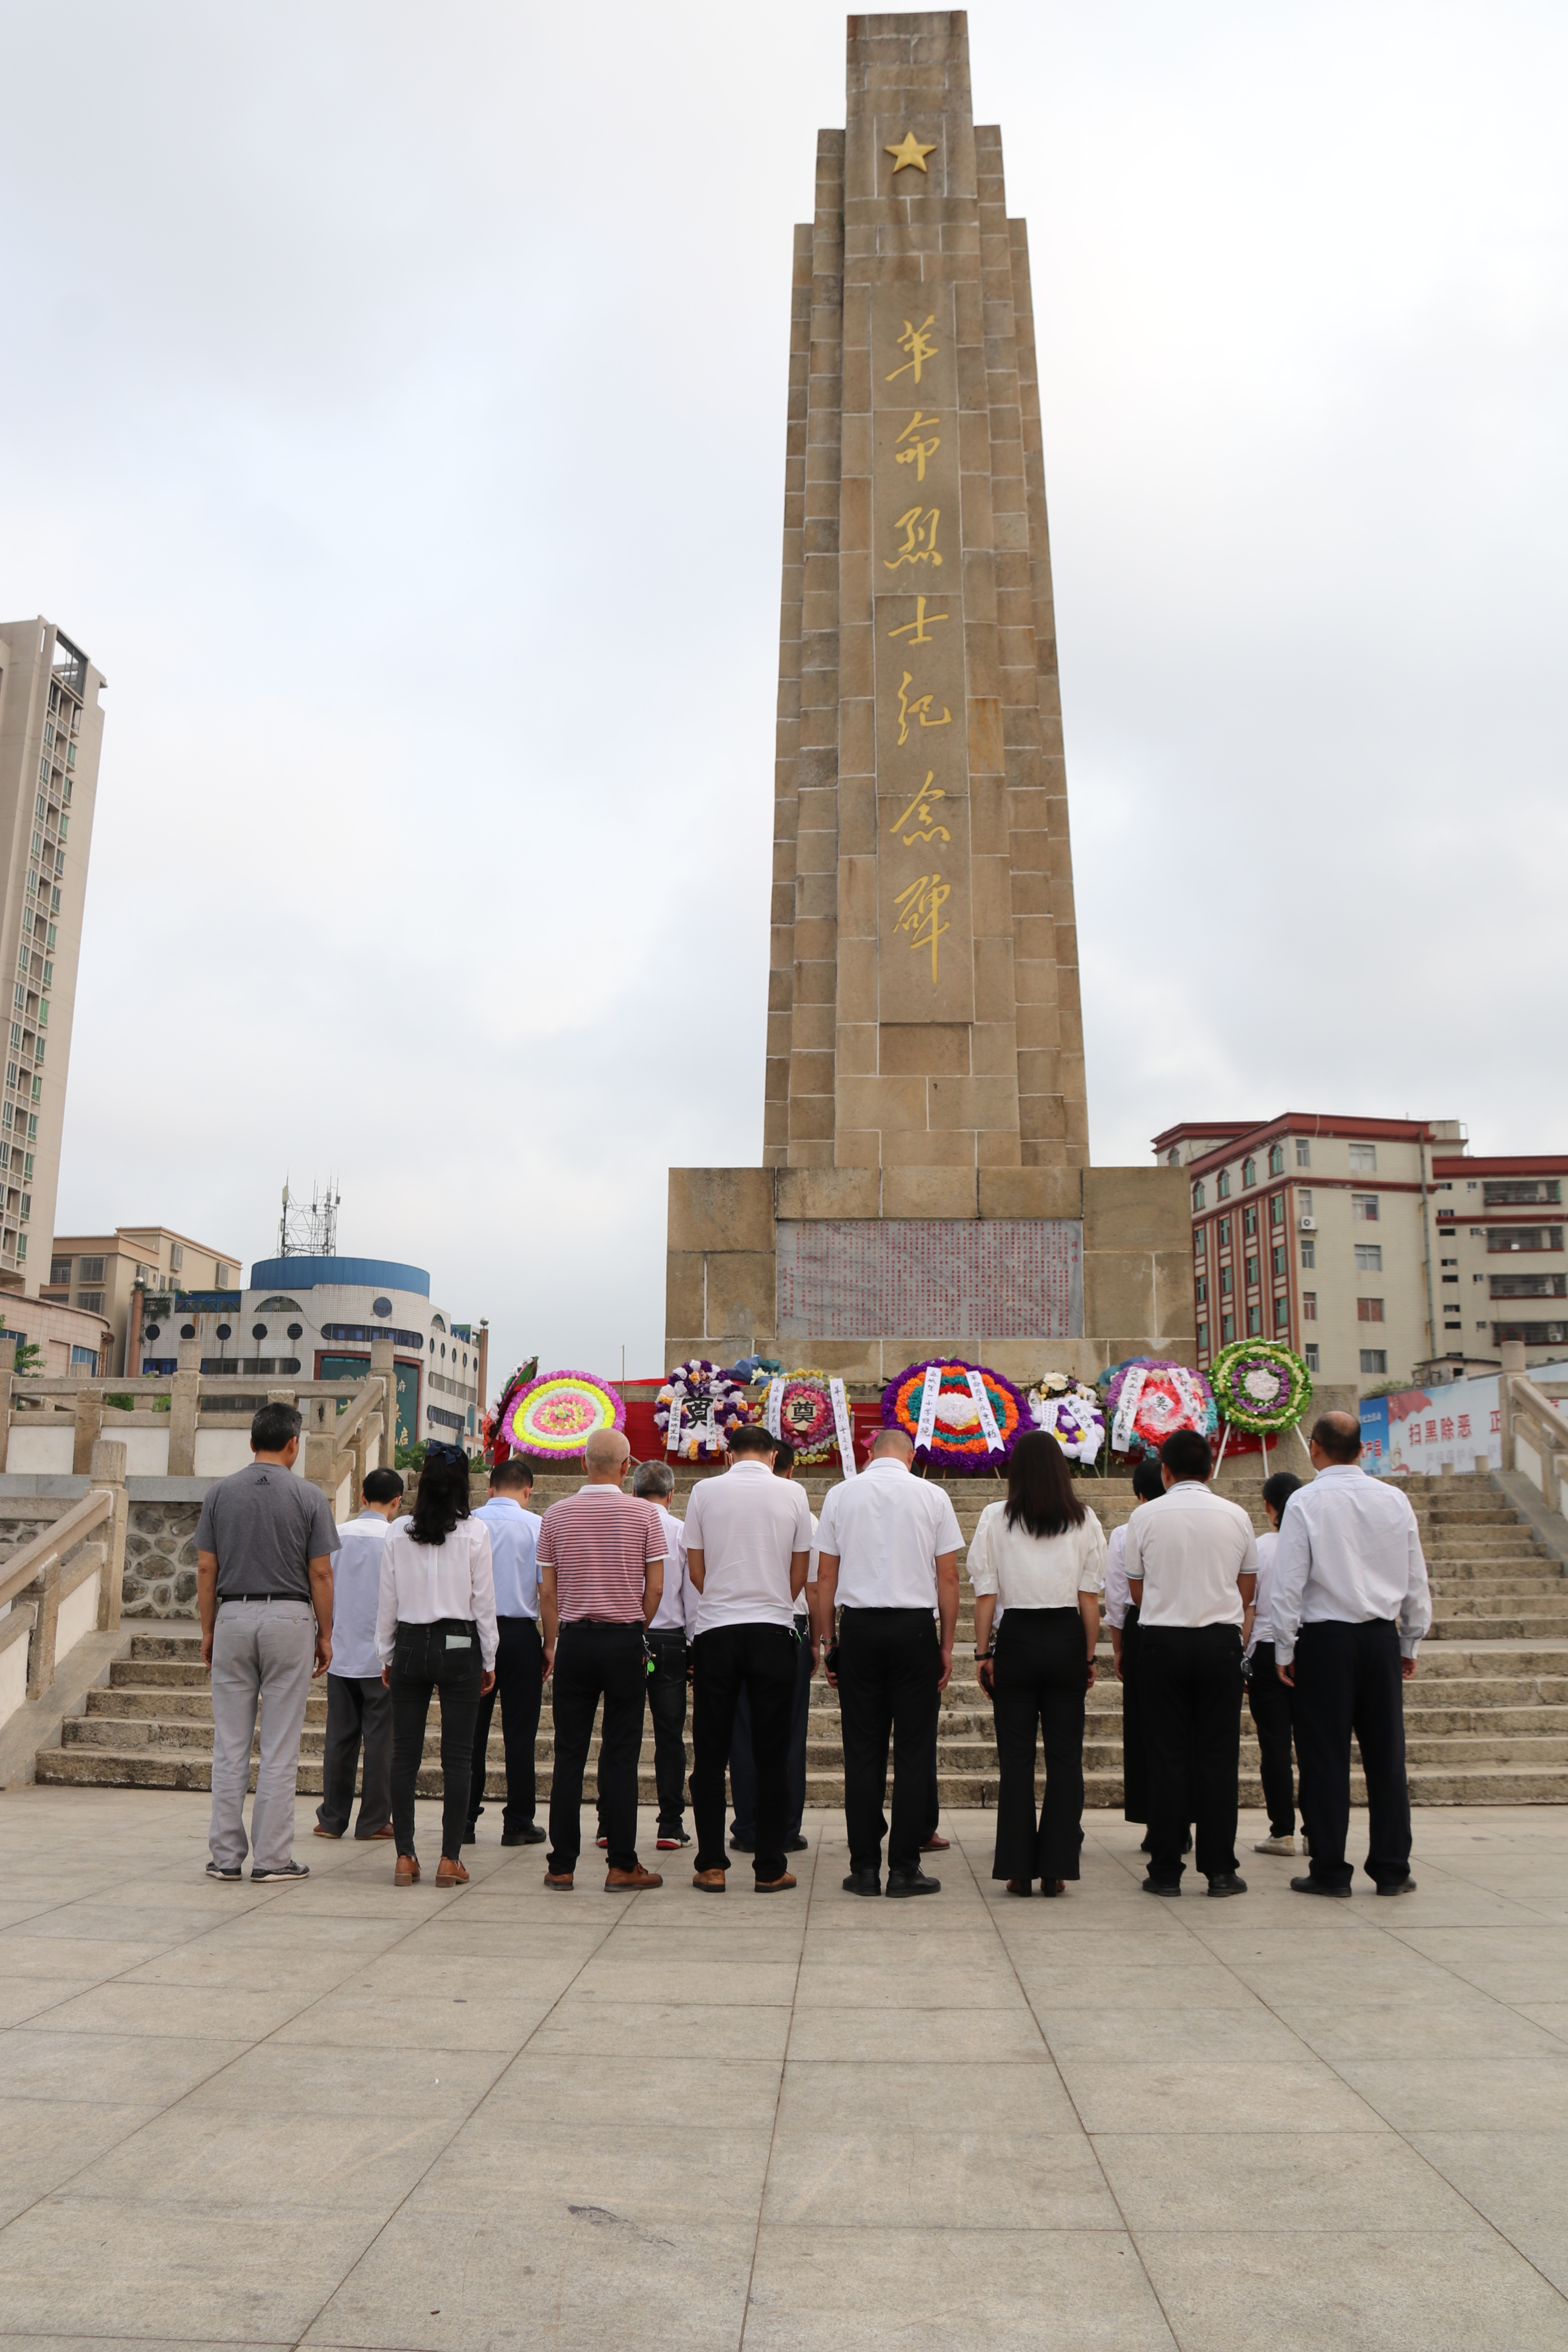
(1276, 1845)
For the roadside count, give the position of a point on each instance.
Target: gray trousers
(262, 1657)
(357, 1705)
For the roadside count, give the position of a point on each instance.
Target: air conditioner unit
(1308, 1224)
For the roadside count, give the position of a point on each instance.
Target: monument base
(860, 1271)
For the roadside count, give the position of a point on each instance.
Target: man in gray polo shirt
(264, 1583)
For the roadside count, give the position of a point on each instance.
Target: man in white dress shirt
(742, 1772)
(520, 1656)
(888, 1547)
(748, 1546)
(1350, 1605)
(359, 1704)
(1192, 1564)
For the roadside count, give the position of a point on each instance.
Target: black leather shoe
(863, 1882)
(741, 1846)
(469, 1835)
(1395, 1886)
(1226, 1882)
(1309, 1885)
(531, 1835)
(796, 1844)
(912, 1881)
(1146, 1847)
(1158, 1886)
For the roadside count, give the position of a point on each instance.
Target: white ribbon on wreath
(1127, 1410)
(925, 1427)
(844, 1425)
(991, 1433)
(774, 1413)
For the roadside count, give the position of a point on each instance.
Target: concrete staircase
(1486, 1719)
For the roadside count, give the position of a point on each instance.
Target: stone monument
(926, 1185)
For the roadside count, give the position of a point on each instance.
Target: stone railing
(61, 1585)
(1534, 1428)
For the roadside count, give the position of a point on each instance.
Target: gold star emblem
(909, 151)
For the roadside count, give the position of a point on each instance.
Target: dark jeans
(889, 1661)
(520, 1686)
(421, 1663)
(743, 1771)
(760, 1659)
(1192, 1686)
(593, 1662)
(1134, 1730)
(1348, 1678)
(358, 1705)
(1270, 1701)
(1041, 1681)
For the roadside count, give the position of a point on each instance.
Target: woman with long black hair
(435, 1629)
(1040, 1555)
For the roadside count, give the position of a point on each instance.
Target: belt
(303, 1598)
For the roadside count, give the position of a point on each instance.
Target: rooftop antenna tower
(310, 1232)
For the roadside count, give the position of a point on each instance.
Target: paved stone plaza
(339, 2115)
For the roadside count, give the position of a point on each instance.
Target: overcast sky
(394, 408)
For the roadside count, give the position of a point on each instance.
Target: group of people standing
(615, 1602)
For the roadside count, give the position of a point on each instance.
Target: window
(60, 1269)
(1223, 1232)
(1523, 1237)
(1222, 1185)
(1374, 1361)
(363, 1331)
(1226, 1285)
(1277, 1208)
(1201, 1290)
(1309, 1254)
(1369, 1257)
(1226, 1329)
(1528, 1286)
(275, 1305)
(1535, 1335)
(1249, 1219)
(1277, 1159)
(1173, 1157)
(89, 1269)
(1503, 1192)
(1363, 1158)
(1311, 1350)
(1198, 1194)
(1203, 1339)
(1279, 1261)
(1304, 1152)
(1250, 1172)
(1364, 1208)
(438, 1323)
(1200, 1243)
(87, 1358)
(1281, 1313)
(1252, 1274)
(176, 1257)
(1304, 1199)
(92, 1300)
(1309, 1307)
(1369, 1311)
(1450, 1261)
(1253, 1322)
(220, 1278)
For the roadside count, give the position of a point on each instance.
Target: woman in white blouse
(1040, 1554)
(435, 1629)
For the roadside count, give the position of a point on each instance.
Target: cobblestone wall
(161, 1561)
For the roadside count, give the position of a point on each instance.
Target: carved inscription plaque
(931, 1278)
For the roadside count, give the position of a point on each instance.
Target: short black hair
(1278, 1490)
(752, 1438)
(382, 1487)
(513, 1472)
(1185, 1454)
(273, 1428)
(783, 1460)
(1339, 1444)
(1147, 1483)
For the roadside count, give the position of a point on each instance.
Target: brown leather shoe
(319, 1832)
(560, 1879)
(711, 1882)
(407, 1871)
(449, 1873)
(628, 1882)
(388, 1831)
(935, 1845)
(775, 1885)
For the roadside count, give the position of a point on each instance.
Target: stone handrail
(1534, 1436)
(37, 1571)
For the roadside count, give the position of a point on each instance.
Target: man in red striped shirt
(601, 1572)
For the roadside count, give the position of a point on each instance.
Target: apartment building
(120, 1275)
(1322, 1233)
(1502, 1270)
(51, 732)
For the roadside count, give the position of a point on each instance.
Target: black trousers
(520, 1686)
(1192, 1688)
(932, 1813)
(594, 1662)
(667, 1705)
(1270, 1701)
(1134, 1730)
(759, 1660)
(890, 1661)
(1348, 1679)
(359, 1706)
(444, 1656)
(742, 1770)
(1040, 1684)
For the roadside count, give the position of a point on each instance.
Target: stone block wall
(161, 1561)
